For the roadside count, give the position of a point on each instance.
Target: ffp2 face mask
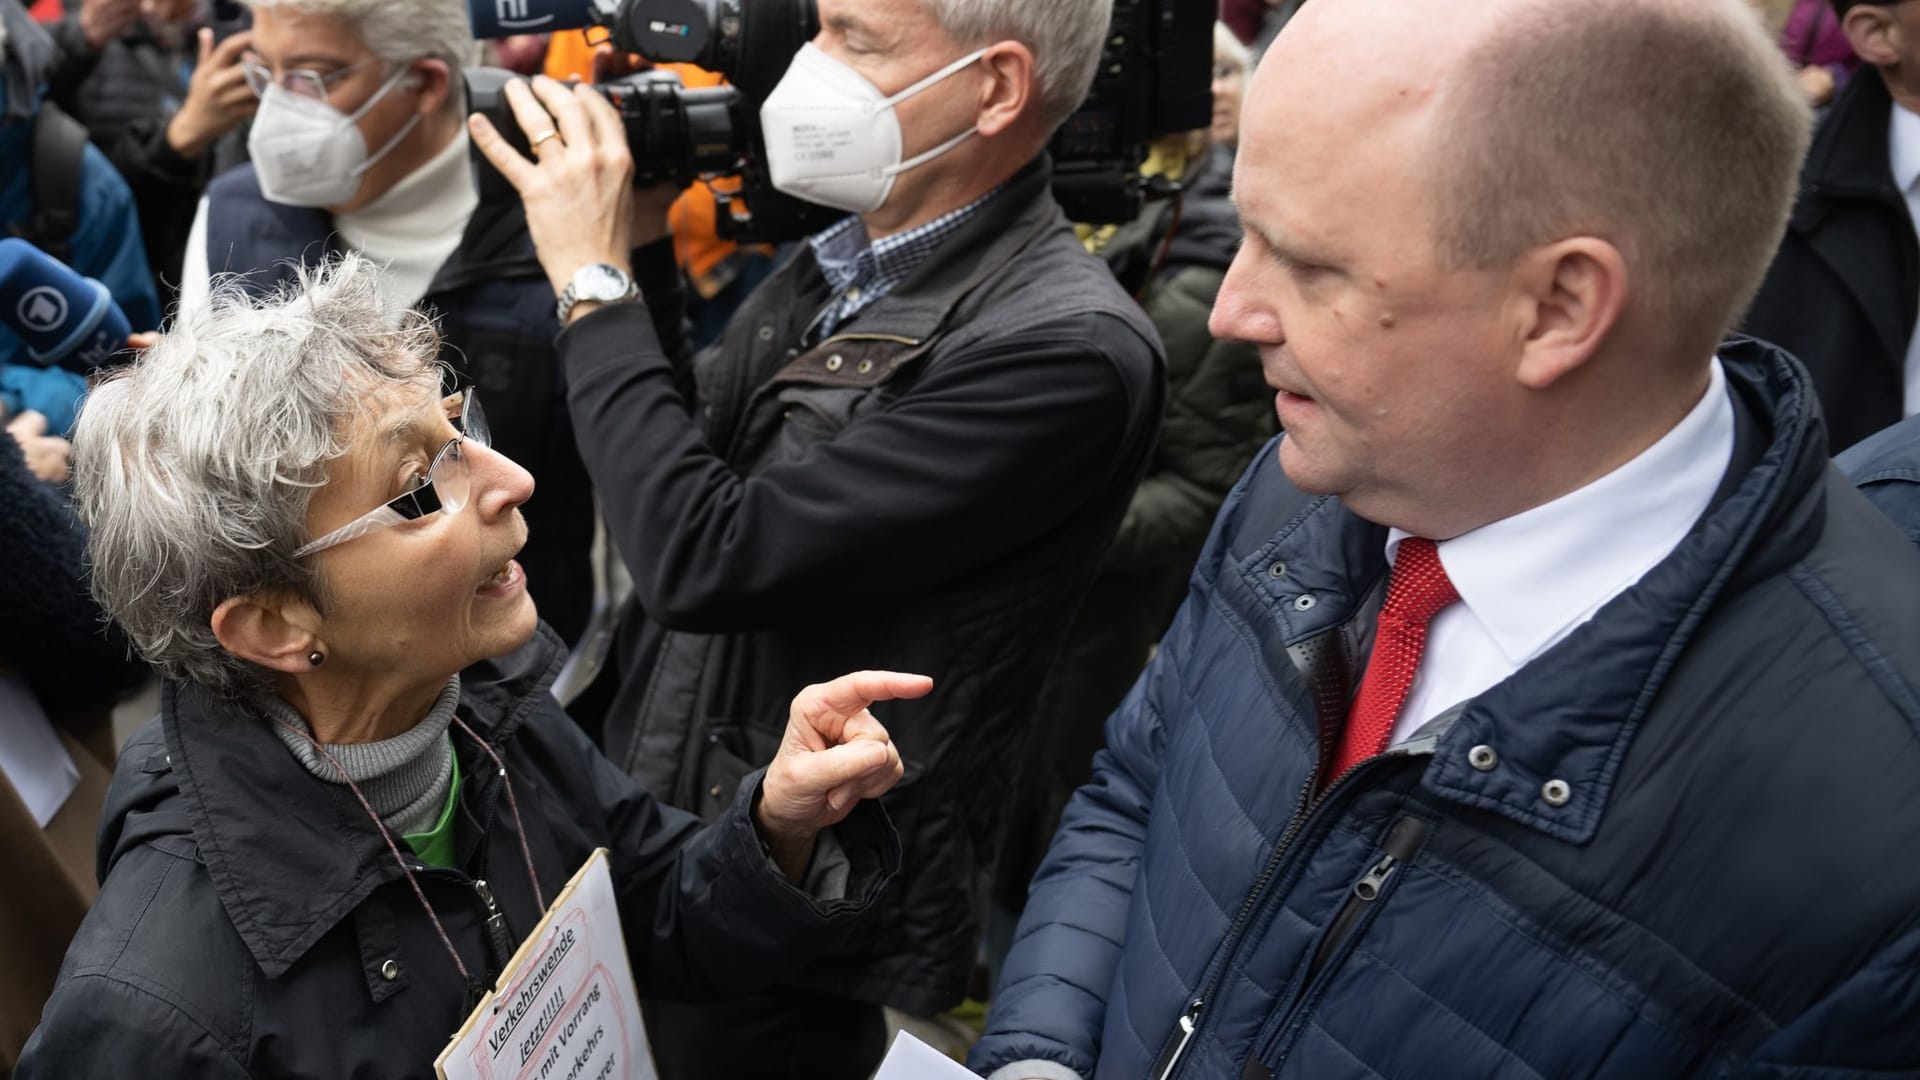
(307, 153)
(834, 139)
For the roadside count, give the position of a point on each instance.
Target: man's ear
(1572, 294)
(435, 80)
(1009, 90)
(1869, 29)
(272, 633)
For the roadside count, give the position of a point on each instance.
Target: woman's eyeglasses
(444, 487)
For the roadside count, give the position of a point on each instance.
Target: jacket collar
(1767, 515)
(496, 243)
(971, 255)
(1850, 155)
(1850, 164)
(289, 855)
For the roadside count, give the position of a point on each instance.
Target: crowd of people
(1389, 609)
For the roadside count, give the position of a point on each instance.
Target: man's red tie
(1416, 592)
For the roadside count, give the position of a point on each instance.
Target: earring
(316, 658)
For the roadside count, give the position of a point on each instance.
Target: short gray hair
(398, 31)
(1674, 131)
(1067, 37)
(194, 467)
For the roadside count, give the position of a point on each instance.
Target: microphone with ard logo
(65, 319)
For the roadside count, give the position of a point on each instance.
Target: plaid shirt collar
(860, 272)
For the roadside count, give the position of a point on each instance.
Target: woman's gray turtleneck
(405, 778)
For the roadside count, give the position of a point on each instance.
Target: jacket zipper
(1403, 839)
(1165, 1067)
(1188, 1024)
(894, 338)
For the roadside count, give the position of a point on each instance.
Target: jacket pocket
(730, 750)
(814, 414)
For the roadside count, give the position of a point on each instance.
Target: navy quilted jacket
(1725, 885)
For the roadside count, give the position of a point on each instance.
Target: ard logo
(42, 310)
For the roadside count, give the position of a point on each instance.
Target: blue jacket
(1727, 889)
(1886, 467)
(106, 245)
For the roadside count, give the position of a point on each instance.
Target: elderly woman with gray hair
(359, 794)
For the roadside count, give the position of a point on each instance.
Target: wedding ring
(535, 144)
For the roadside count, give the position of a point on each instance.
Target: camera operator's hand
(578, 190)
(218, 97)
(49, 457)
(834, 755)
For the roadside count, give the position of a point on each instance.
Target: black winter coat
(250, 912)
(929, 490)
(1843, 290)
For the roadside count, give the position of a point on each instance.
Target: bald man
(1545, 705)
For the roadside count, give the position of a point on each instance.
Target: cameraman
(910, 446)
(358, 145)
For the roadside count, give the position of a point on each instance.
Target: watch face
(600, 282)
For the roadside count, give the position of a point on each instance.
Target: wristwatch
(600, 283)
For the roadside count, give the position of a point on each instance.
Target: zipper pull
(496, 923)
(1368, 887)
(496, 919)
(1188, 1024)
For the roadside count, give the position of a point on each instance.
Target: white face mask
(307, 153)
(834, 139)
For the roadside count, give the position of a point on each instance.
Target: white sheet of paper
(911, 1059)
(565, 1008)
(31, 755)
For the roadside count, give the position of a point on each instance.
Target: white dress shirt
(1528, 581)
(1903, 146)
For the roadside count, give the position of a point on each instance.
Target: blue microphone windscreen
(62, 317)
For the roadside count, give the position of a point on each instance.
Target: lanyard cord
(386, 835)
(513, 804)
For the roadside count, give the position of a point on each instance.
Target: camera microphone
(64, 319)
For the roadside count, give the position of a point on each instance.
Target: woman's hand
(578, 189)
(218, 97)
(49, 457)
(834, 755)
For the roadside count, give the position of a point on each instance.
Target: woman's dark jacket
(929, 489)
(249, 911)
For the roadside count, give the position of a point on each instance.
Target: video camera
(1154, 79)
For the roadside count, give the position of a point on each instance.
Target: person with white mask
(912, 444)
(359, 146)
